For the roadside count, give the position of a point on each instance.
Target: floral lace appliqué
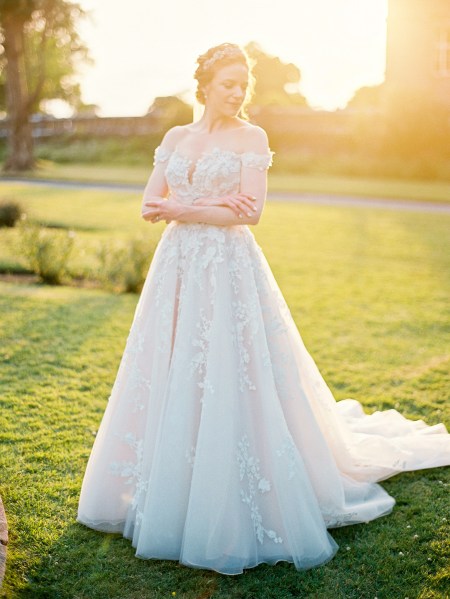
(249, 469)
(132, 471)
(214, 173)
(259, 161)
(335, 519)
(139, 384)
(246, 328)
(199, 361)
(161, 155)
(288, 450)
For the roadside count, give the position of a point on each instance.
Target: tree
(170, 111)
(274, 79)
(39, 51)
(367, 97)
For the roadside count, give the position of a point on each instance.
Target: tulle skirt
(221, 445)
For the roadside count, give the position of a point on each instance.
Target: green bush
(10, 212)
(362, 165)
(130, 151)
(124, 266)
(47, 252)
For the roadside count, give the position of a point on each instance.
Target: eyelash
(229, 86)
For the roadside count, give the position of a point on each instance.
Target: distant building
(418, 47)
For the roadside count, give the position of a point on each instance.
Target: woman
(221, 445)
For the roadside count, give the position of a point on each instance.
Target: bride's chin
(233, 110)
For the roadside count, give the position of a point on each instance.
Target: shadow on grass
(49, 224)
(86, 564)
(61, 352)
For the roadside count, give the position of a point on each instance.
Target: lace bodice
(215, 173)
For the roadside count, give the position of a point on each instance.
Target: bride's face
(225, 93)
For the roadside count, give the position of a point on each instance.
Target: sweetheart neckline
(191, 161)
(215, 149)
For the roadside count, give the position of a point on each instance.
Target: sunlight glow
(150, 49)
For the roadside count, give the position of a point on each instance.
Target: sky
(150, 48)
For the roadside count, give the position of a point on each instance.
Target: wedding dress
(221, 445)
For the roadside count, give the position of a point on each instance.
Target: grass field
(427, 191)
(369, 291)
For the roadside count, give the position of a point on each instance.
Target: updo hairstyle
(217, 57)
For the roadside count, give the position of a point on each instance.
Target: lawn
(378, 187)
(369, 291)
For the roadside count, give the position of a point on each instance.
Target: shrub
(47, 252)
(101, 150)
(123, 267)
(10, 213)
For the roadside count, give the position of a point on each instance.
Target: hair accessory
(228, 52)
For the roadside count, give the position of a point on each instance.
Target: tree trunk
(20, 139)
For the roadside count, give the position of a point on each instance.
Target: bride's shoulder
(173, 136)
(256, 152)
(254, 139)
(169, 143)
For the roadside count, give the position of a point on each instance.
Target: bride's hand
(240, 203)
(157, 209)
(150, 214)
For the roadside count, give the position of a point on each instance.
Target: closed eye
(229, 84)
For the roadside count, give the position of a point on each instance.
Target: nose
(238, 94)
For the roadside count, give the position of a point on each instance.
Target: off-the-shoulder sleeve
(161, 155)
(259, 161)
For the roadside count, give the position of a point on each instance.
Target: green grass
(382, 188)
(403, 189)
(369, 291)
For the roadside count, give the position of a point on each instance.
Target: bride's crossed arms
(244, 207)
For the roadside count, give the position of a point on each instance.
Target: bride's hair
(218, 57)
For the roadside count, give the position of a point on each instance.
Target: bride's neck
(214, 122)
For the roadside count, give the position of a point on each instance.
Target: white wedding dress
(221, 445)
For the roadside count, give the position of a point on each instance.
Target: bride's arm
(253, 184)
(156, 187)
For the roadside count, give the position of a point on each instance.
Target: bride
(221, 445)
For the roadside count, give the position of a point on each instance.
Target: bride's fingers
(231, 203)
(247, 197)
(148, 217)
(247, 206)
(248, 201)
(241, 205)
(151, 215)
(244, 206)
